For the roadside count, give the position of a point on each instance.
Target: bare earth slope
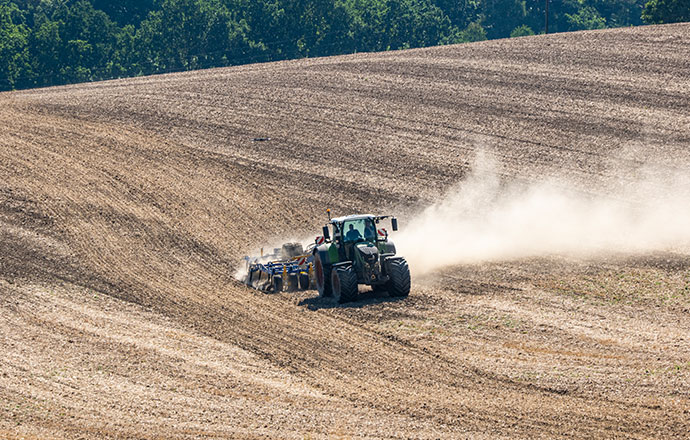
(125, 207)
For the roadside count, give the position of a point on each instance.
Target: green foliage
(472, 33)
(189, 34)
(619, 12)
(413, 23)
(13, 45)
(302, 28)
(521, 31)
(666, 11)
(502, 16)
(46, 42)
(585, 18)
(394, 24)
(461, 12)
(125, 12)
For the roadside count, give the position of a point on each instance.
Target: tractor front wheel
(399, 283)
(344, 283)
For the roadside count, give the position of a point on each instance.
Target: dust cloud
(484, 218)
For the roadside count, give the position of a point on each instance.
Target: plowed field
(126, 207)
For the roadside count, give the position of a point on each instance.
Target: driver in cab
(370, 232)
(353, 234)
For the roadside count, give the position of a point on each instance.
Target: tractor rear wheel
(399, 283)
(344, 282)
(323, 277)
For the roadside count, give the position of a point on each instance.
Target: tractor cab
(357, 231)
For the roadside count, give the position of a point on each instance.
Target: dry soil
(126, 206)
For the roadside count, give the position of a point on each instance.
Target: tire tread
(399, 273)
(348, 284)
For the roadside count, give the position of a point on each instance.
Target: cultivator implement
(288, 268)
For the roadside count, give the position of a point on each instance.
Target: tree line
(50, 42)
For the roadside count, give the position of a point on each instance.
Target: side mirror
(326, 233)
(394, 223)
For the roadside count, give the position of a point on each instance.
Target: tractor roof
(351, 217)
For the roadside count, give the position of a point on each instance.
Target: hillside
(126, 207)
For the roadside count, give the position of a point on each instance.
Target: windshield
(359, 230)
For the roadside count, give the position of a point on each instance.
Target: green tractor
(358, 252)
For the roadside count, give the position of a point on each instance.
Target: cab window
(359, 230)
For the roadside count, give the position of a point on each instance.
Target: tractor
(358, 252)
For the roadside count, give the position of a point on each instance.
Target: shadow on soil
(364, 299)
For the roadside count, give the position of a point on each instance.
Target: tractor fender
(387, 247)
(328, 253)
(386, 260)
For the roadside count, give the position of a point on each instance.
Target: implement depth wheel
(344, 282)
(292, 282)
(277, 283)
(304, 281)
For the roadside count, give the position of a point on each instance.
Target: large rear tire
(344, 282)
(399, 283)
(322, 274)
